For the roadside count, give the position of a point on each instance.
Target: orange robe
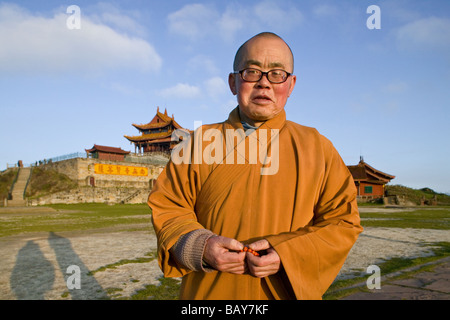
(306, 210)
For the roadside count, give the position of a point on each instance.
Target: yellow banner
(120, 170)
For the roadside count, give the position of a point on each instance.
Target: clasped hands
(223, 254)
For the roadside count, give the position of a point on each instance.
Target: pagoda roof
(160, 120)
(150, 137)
(364, 172)
(162, 140)
(106, 149)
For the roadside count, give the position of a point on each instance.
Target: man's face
(263, 100)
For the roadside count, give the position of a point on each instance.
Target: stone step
(17, 203)
(19, 189)
(20, 185)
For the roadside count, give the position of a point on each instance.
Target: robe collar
(275, 123)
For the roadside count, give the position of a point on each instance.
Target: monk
(260, 207)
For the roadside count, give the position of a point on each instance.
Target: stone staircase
(131, 197)
(19, 188)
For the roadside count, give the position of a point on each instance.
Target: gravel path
(34, 266)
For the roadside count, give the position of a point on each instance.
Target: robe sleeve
(172, 202)
(313, 255)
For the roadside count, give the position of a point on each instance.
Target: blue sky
(380, 93)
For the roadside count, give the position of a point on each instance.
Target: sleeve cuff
(188, 250)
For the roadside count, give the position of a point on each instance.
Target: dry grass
(6, 180)
(45, 182)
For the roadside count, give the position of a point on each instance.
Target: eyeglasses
(254, 75)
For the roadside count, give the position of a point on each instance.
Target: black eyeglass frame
(288, 74)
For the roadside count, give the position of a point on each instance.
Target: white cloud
(232, 21)
(325, 10)
(272, 15)
(181, 90)
(196, 21)
(193, 20)
(117, 18)
(429, 33)
(35, 44)
(200, 64)
(215, 87)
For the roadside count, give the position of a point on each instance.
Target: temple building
(369, 181)
(106, 153)
(155, 135)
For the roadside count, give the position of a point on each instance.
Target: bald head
(241, 58)
(262, 100)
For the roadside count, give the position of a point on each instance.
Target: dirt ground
(35, 266)
(376, 245)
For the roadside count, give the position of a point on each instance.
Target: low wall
(102, 181)
(398, 201)
(94, 195)
(83, 171)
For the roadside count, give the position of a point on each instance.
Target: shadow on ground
(33, 274)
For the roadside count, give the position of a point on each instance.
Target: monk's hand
(222, 254)
(263, 265)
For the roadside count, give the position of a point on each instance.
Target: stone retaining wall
(94, 195)
(82, 170)
(94, 186)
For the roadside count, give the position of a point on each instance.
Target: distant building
(156, 135)
(369, 181)
(106, 153)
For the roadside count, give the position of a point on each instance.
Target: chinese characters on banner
(120, 170)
